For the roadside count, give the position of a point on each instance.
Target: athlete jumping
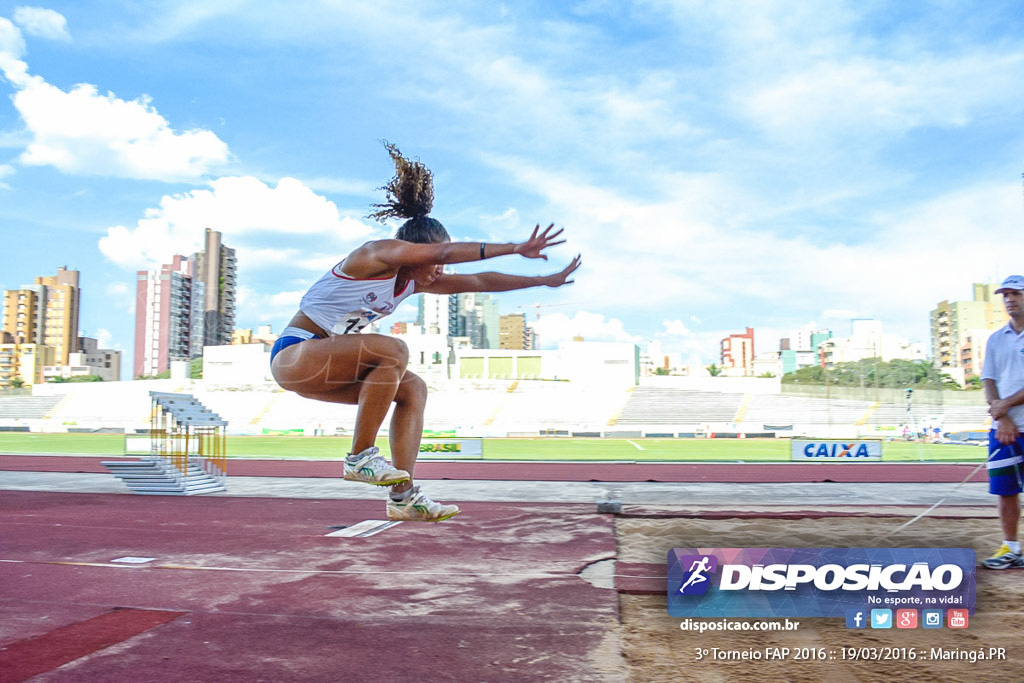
(323, 355)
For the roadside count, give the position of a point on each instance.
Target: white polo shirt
(1004, 363)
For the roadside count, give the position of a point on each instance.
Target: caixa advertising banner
(816, 582)
(836, 450)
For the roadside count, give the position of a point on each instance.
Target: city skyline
(719, 166)
(411, 315)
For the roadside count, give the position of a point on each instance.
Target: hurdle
(188, 454)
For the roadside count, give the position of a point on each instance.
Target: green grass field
(549, 449)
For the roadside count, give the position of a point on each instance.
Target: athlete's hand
(562, 277)
(999, 409)
(1006, 431)
(534, 247)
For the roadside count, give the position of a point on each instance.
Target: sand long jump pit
(657, 649)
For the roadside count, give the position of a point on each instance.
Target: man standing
(1002, 377)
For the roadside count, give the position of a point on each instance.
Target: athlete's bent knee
(386, 352)
(413, 391)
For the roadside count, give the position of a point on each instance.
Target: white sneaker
(419, 508)
(1004, 559)
(372, 468)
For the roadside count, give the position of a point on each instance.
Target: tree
(660, 371)
(76, 378)
(874, 372)
(166, 374)
(949, 382)
(812, 374)
(714, 370)
(195, 371)
(17, 383)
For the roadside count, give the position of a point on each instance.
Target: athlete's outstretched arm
(383, 257)
(499, 282)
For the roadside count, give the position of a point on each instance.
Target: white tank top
(341, 304)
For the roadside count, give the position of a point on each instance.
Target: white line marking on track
(364, 529)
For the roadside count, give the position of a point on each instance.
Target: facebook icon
(855, 618)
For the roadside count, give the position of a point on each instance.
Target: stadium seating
(484, 407)
(765, 409)
(27, 407)
(562, 406)
(669, 406)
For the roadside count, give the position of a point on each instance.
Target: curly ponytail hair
(410, 195)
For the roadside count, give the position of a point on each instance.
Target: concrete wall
(236, 364)
(729, 385)
(887, 395)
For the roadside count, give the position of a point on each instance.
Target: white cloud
(104, 338)
(674, 328)
(42, 23)
(684, 257)
(266, 257)
(502, 225)
(341, 186)
(236, 207)
(120, 297)
(557, 327)
(839, 314)
(274, 309)
(12, 48)
(84, 132)
(865, 97)
(12, 44)
(245, 204)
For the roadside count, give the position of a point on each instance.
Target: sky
(718, 165)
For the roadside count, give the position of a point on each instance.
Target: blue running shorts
(1005, 466)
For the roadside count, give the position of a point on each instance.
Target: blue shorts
(1005, 466)
(289, 336)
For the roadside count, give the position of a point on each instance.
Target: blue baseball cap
(1012, 282)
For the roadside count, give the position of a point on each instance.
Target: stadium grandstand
(499, 408)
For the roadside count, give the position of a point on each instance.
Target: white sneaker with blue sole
(372, 468)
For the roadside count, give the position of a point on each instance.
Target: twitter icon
(881, 618)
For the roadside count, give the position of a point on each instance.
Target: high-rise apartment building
(514, 333)
(216, 268)
(435, 314)
(478, 319)
(801, 349)
(45, 313)
(738, 352)
(866, 341)
(960, 324)
(169, 316)
(184, 305)
(22, 364)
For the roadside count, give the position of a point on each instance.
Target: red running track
(250, 589)
(746, 473)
